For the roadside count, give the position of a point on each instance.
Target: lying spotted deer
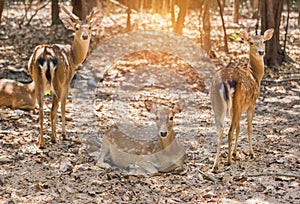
(17, 95)
(161, 153)
(56, 64)
(235, 91)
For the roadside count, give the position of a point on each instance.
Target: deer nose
(163, 133)
(85, 36)
(261, 52)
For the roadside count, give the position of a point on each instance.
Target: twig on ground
(273, 174)
(207, 176)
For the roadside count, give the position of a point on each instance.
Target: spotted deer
(235, 91)
(161, 153)
(17, 95)
(55, 65)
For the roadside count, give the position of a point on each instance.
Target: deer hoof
(41, 146)
(215, 169)
(252, 156)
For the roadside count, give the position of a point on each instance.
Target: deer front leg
(250, 114)
(53, 115)
(103, 153)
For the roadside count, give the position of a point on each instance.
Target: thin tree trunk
(255, 9)
(183, 5)
(1, 9)
(298, 5)
(236, 11)
(224, 28)
(271, 11)
(206, 25)
(55, 12)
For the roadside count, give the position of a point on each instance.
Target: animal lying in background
(160, 153)
(17, 95)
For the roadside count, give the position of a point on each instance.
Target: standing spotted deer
(54, 65)
(235, 91)
(161, 153)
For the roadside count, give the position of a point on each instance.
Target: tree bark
(255, 9)
(1, 9)
(183, 5)
(82, 8)
(271, 15)
(298, 6)
(206, 26)
(77, 8)
(55, 12)
(236, 11)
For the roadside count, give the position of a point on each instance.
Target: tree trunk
(298, 6)
(1, 8)
(206, 26)
(77, 8)
(82, 8)
(183, 5)
(255, 9)
(55, 12)
(129, 4)
(271, 15)
(236, 11)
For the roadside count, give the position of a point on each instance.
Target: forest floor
(66, 172)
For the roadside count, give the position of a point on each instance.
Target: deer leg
(40, 99)
(53, 114)
(250, 114)
(63, 112)
(216, 163)
(103, 153)
(237, 132)
(41, 120)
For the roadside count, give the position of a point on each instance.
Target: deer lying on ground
(56, 64)
(161, 153)
(17, 95)
(235, 91)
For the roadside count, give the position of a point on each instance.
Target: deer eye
(251, 43)
(171, 118)
(90, 27)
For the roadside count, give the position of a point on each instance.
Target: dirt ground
(107, 90)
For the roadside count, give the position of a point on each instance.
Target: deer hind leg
(40, 98)
(53, 116)
(237, 132)
(63, 112)
(216, 163)
(250, 115)
(234, 126)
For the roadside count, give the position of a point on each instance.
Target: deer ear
(150, 106)
(244, 35)
(177, 107)
(95, 18)
(68, 23)
(268, 34)
(68, 18)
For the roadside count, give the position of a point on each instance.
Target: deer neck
(79, 51)
(256, 64)
(168, 140)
